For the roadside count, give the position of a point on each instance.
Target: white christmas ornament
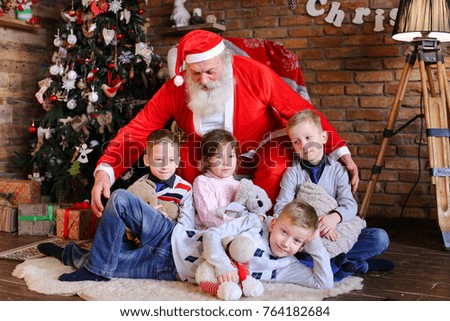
(72, 104)
(108, 35)
(57, 42)
(72, 39)
(94, 143)
(68, 84)
(93, 97)
(142, 49)
(125, 14)
(61, 70)
(84, 150)
(54, 70)
(115, 6)
(72, 75)
(125, 57)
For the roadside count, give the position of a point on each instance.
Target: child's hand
(158, 207)
(332, 235)
(228, 277)
(328, 223)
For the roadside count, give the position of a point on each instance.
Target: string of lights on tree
(102, 73)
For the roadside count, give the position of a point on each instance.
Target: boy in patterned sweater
(170, 192)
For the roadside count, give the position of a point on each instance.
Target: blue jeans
(113, 255)
(371, 242)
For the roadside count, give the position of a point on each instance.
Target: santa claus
(217, 90)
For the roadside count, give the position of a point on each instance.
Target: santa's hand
(228, 277)
(352, 169)
(102, 185)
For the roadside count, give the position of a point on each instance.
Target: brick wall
(352, 74)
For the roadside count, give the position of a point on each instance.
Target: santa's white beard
(209, 102)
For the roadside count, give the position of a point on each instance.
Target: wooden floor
(422, 267)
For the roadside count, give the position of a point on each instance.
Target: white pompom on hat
(195, 46)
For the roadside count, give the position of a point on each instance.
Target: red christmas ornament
(32, 129)
(111, 65)
(72, 13)
(33, 21)
(95, 70)
(53, 98)
(119, 36)
(141, 11)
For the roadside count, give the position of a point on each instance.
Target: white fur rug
(41, 275)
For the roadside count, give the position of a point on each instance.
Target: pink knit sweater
(211, 193)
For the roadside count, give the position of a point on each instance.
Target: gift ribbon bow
(76, 207)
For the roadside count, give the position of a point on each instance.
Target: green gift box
(37, 219)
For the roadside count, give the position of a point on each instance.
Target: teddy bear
(240, 250)
(323, 203)
(145, 189)
(249, 198)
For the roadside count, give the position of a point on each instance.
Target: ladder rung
(438, 132)
(440, 172)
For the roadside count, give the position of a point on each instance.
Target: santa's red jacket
(263, 103)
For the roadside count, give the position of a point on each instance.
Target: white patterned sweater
(191, 247)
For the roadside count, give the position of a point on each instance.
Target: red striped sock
(209, 287)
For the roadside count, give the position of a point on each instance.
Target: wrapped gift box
(37, 219)
(20, 191)
(75, 223)
(8, 217)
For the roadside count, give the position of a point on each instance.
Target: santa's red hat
(198, 45)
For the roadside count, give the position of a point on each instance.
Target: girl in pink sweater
(216, 187)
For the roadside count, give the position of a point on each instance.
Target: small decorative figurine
(180, 14)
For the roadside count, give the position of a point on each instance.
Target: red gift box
(76, 223)
(20, 191)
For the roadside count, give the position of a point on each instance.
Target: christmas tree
(102, 74)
